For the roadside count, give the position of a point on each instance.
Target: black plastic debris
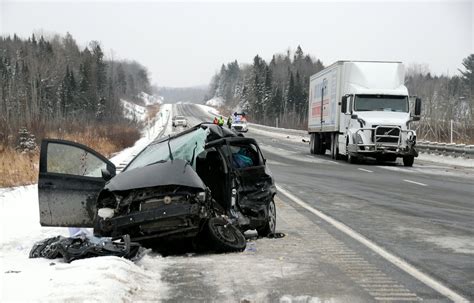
(81, 247)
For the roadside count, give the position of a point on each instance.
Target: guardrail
(446, 149)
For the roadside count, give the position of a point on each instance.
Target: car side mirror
(354, 116)
(417, 107)
(106, 175)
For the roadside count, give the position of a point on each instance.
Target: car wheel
(270, 225)
(223, 236)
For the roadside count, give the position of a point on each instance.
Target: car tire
(223, 236)
(270, 224)
(408, 161)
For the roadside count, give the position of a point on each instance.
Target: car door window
(72, 160)
(245, 155)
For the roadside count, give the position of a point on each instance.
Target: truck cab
(378, 126)
(362, 109)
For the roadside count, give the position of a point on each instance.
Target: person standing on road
(216, 121)
(221, 121)
(229, 122)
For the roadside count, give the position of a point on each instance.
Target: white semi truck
(362, 109)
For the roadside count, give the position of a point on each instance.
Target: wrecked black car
(207, 183)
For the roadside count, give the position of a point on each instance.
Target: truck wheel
(352, 159)
(312, 140)
(318, 145)
(408, 160)
(223, 236)
(270, 225)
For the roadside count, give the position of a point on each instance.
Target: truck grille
(386, 134)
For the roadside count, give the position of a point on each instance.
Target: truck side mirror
(417, 107)
(344, 105)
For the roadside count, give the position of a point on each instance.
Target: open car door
(70, 178)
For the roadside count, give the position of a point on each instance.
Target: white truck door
(344, 120)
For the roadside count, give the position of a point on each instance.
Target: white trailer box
(361, 108)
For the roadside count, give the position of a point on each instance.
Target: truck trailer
(361, 109)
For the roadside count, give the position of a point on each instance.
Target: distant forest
(51, 83)
(278, 90)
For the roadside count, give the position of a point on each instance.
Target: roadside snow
(216, 102)
(446, 160)
(133, 111)
(150, 99)
(102, 279)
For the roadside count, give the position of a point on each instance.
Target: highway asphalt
(424, 215)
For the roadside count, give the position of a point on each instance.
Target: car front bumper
(159, 222)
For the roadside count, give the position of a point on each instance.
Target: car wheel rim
(226, 233)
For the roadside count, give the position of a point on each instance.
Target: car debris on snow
(84, 246)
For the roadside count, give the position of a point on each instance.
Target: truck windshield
(381, 103)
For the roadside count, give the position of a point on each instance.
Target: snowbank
(133, 111)
(447, 160)
(103, 279)
(216, 102)
(150, 99)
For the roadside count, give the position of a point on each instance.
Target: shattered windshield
(185, 147)
(381, 103)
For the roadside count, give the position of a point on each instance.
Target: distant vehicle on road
(362, 108)
(206, 182)
(179, 121)
(239, 122)
(240, 126)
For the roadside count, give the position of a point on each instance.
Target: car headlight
(201, 196)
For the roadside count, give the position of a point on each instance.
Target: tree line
(270, 92)
(278, 91)
(445, 98)
(49, 83)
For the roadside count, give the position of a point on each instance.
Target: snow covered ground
(134, 111)
(96, 279)
(216, 102)
(150, 99)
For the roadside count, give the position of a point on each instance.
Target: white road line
(366, 170)
(417, 183)
(398, 262)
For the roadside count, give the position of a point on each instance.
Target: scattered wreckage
(84, 246)
(208, 184)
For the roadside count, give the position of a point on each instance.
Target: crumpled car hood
(176, 172)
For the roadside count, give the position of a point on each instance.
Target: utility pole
(451, 130)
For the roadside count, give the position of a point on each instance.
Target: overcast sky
(184, 44)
